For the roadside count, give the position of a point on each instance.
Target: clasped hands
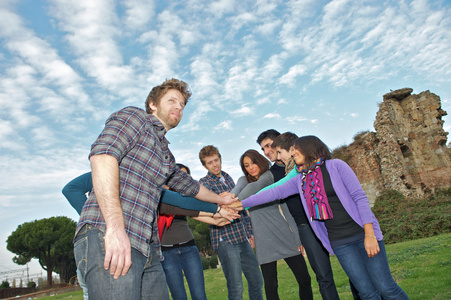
(235, 205)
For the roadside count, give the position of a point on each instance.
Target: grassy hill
(421, 267)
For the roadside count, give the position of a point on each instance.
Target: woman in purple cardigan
(340, 215)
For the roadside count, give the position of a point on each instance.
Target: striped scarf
(314, 192)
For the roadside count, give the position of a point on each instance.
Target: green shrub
(4, 285)
(205, 263)
(342, 153)
(31, 284)
(214, 261)
(404, 219)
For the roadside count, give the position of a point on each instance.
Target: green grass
(421, 267)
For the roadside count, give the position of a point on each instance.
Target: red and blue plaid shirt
(136, 139)
(240, 229)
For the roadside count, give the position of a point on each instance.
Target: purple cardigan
(346, 186)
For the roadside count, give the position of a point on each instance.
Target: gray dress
(275, 231)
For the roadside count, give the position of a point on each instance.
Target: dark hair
(270, 133)
(207, 151)
(182, 166)
(284, 141)
(160, 90)
(257, 159)
(312, 148)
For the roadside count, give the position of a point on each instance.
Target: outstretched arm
(251, 188)
(208, 196)
(290, 175)
(75, 191)
(176, 199)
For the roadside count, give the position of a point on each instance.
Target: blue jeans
(184, 260)
(236, 259)
(371, 276)
(144, 280)
(319, 260)
(83, 285)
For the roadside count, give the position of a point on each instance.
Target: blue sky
(306, 66)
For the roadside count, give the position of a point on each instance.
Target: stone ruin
(408, 151)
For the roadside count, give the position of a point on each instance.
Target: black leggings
(300, 271)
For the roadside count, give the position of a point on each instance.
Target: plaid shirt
(136, 139)
(240, 229)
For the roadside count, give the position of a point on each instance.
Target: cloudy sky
(306, 66)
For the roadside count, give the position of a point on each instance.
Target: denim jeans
(371, 276)
(83, 285)
(319, 260)
(144, 280)
(184, 260)
(236, 259)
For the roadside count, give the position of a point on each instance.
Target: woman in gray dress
(275, 231)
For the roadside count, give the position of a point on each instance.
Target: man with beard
(116, 244)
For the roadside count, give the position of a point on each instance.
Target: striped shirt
(240, 229)
(137, 140)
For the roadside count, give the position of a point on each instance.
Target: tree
(201, 232)
(4, 285)
(47, 240)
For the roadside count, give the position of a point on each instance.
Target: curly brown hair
(170, 84)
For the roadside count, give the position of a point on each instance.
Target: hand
(302, 250)
(227, 199)
(371, 246)
(220, 221)
(229, 214)
(237, 205)
(117, 252)
(252, 241)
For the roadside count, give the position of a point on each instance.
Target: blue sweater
(75, 192)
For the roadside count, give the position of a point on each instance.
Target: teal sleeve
(75, 191)
(176, 199)
(290, 175)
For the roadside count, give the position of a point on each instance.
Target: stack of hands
(231, 202)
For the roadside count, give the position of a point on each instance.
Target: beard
(168, 119)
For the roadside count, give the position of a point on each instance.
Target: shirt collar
(161, 131)
(214, 176)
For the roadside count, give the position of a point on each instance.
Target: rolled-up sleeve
(121, 131)
(183, 183)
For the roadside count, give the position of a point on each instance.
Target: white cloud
(269, 28)
(243, 20)
(296, 119)
(282, 101)
(243, 111)
(89, 23)
(272, 116)
(221, 7)
(225, 125)
(138, 13)
(198, 114)
(290, 77)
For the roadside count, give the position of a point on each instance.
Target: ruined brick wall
(408, 151)
(363, 158)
